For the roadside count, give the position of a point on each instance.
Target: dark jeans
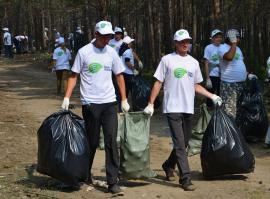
(8, 51)
(128, 83)
(180, 125)
(215, 89)
(105, 116)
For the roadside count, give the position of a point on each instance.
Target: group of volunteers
(106, 66)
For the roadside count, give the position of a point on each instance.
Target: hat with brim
(215, 32)
(117, 30)
(104, 28)
(181, 35)
(127, 40)
(5, 29)
(61, 40)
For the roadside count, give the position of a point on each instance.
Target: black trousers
(8, 51)
(180, 125)
(215, 89)
(105, 116)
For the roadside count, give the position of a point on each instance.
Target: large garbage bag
(140, 94)
(63, 151)
(252, 119)
(224, 150)
(195, 142)
(134, 150)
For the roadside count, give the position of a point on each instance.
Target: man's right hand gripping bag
(63, 151)
(224, 150)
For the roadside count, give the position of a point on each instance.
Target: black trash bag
(252, 119)
(224, 150)
(63, 151)
(140, 94)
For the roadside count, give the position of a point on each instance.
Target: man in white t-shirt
(95, 63)
(61, 59)
(211, 64)
(7, 43)
(180, 73)
(233, 73)
(117, 41)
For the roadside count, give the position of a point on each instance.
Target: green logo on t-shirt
(236, 56)
(112, 45)
(60, 53)
(179, 72)
(94, 67)
(215, 58)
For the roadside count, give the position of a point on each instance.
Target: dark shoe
(188, 186)
(115, 189)
(168, 172)
(89, 181)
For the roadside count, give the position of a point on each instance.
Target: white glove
(216, 100)
(209, 83)
(135, 72)
(65, 103)
(231, 34)
(125, 106)
(149, 109)
(140, 65)
(252, 76)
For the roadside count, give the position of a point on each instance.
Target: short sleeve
(161, 70)
(198, 74)
(206, 53)
(69, 55)
(117, 66)
(55, 54)
(78, 63)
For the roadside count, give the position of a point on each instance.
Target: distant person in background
(61, 62)
(267, 69)
(78, 39)
(7, 43)
(211, 64)
(57, 35)
(117, 41)
(46, 40)
(21, 44)
(71, 41)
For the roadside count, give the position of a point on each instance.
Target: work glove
(209, 83)
(252, 76)
(231, 34)
(140, 65)
(65, 103)
(216, 100)
(135, 72)
(149, 109)
(125, 106)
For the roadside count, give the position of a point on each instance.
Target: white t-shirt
(179, 74)
(115, 44)
(235, 70)
(211, 54)
(95, 67)
(268, 66)
(62, 59)
(128, 54)
(7, 39)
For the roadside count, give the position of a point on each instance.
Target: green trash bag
(195, 142)
(134, 147)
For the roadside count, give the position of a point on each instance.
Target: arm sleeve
(117, 66)
(55, 54)
(198, 74)
(78, 63)
(161, 70)
(206, 53)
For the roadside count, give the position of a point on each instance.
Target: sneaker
(168, 172)
(188, 186)
(115, 189)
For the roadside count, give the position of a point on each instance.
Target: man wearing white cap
(233, 73)
(61, 62)
(181, 76)
(95, 63)
(117, 41)
(211, 64)
(7, 43)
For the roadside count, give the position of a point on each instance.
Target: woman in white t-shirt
(61, 59)
(181, 75)
(126, 54)
(233, 73)
(211, 64)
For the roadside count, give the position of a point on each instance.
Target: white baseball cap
(5, 29)
(61, 40)
(235, 30)
(216, 31)
(181, 34)
(117, 29)
(127, 40)
(104, 28)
